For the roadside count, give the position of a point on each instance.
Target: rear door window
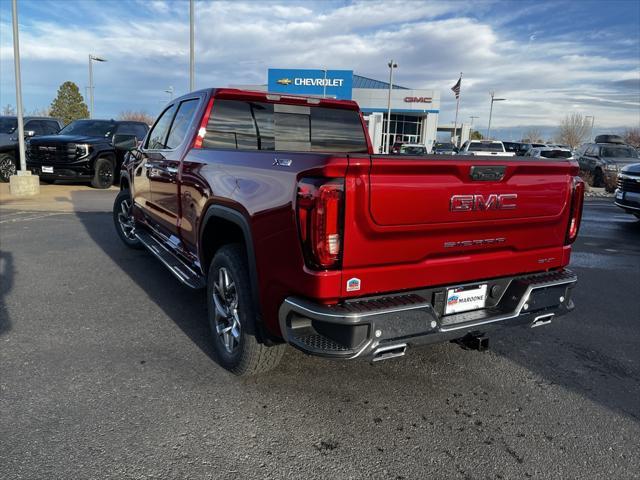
(181, 123)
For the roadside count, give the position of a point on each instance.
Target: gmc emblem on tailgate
(494, 201)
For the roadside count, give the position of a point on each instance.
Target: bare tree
(134, 116)
(574, 130)
(632, 137)
(39, 112)
(533, 135)
(8, 110)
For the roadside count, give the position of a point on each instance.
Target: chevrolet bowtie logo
(284, 81)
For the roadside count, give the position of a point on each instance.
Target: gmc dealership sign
(417, 99)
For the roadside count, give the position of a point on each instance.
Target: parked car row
(604, 159)
(83, 150)
(33, 127)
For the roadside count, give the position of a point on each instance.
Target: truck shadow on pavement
(550, 357)
(7, 274)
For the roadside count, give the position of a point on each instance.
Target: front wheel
(103, 174)
(7, 167)
(233, 316)
(124, 221)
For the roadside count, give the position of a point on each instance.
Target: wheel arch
(236, 228)
(125, 181)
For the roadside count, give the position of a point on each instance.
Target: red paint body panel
(397, 215)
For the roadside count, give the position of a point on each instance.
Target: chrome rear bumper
(367, 327)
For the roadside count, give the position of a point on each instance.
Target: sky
(546, 58)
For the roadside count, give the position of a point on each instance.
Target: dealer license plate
(463, 299)
(619, 195)
(47, 169)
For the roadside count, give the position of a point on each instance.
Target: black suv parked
(33, 127)
(604, 159)
(85, 149)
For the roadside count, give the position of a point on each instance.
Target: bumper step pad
(361, 327)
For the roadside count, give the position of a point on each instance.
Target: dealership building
(414, 112)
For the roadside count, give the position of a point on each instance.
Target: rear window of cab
(247, 125)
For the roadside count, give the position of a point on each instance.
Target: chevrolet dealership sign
(332, 83)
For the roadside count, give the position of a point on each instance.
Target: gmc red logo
(417, 99)
(468, 203)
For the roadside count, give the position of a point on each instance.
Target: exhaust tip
(391, 351)
(542, 320)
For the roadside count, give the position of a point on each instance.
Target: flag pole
(455, 123)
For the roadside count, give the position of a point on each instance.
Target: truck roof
(276, 97)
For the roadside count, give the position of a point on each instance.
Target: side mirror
(29, 133)
(125, 142)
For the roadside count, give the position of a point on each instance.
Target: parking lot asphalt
(106, 372)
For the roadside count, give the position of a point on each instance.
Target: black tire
(123, 220)
(7, 167)
(103, 173)
(598, 179)
(234, 328)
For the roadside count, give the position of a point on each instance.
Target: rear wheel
(103, 174)
(7, 167)
(123, 220)
(233, 316)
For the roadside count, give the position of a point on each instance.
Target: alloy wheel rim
(7, 168)
(227, 321)
(125, 219)
(105, 175)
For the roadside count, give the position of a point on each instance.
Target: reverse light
(202, 131)
(575, 214)
(320, 209)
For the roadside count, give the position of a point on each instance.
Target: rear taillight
(577, 200)
(202, 131)
(320, 209)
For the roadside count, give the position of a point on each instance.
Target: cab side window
(181, 123)
(157, 139)
(37, 126)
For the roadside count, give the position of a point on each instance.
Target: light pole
(192, 56)
(16, 65)
(391, 65)
(92, 59)
(592, 121)
(493, 99)
(472, 117)
(324, 84)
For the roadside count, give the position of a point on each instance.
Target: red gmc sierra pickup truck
(276, 205)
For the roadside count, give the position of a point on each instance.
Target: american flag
(456, 88)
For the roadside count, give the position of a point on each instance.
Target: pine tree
(69, 104)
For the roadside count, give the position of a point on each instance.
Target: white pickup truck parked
(484, 147)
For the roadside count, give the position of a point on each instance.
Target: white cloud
(237, 41)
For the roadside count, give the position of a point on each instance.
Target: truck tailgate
(426, 221)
